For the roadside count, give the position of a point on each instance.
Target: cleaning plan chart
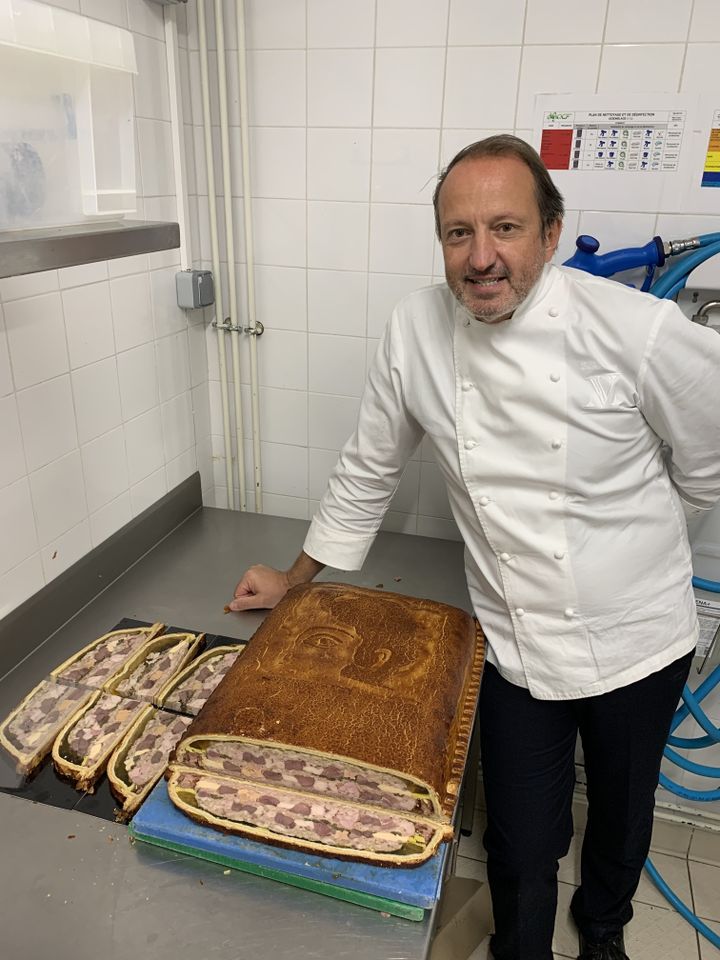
(634, 151)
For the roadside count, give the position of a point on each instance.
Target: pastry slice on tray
(102, 659)
(140, 759)
(27, 734)
(187, 692)
(81, 751)
(342, 730)
(155, 664)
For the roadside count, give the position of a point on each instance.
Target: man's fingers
(250, 601)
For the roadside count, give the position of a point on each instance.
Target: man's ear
(552, 239)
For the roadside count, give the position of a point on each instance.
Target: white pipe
(177, 132)
(230, 244)
(219, 313)
(249, 249)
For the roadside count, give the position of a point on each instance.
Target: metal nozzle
(674, 247)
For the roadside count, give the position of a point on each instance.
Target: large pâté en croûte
(342, 730)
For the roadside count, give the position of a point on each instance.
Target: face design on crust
(338, 655)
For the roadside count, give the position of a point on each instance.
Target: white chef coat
(571, 437)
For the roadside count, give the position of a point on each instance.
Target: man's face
(491, 235)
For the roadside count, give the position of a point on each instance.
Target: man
(574, 421)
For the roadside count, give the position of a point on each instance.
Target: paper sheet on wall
(655, 152)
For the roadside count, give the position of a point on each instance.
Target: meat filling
(43, 715)
(296, 770)
(191, 694)
(322, 821)
(99, 729)
(148, 755)
(154, 671)
(101, 662)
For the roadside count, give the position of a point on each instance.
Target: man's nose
(482, 251)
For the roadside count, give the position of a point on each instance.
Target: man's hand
(260, 588)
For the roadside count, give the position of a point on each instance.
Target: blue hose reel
(654, 254)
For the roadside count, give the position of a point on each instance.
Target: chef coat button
(559, 554)
(554, 377)
(467, 385)
(504, 557)
(556, 444)
(484, 501)
(553, 495)
(519, 612)
(554, 312)
(569, 612)
(466, 322)
(469, 444)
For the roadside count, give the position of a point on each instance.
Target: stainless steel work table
(72, 885)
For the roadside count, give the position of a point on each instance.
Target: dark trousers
(528, 750)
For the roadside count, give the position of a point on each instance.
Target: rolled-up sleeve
(370, 465)
(679, 392)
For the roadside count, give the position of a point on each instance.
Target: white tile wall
(647, 66)
(411, 23)
(58, 496)
(340, 84)
(354, 104)
(338, 164)
(94, 424)
(404, 165)
(408, 87)
(96, 394)
(341, 23)
(47, 421)
(480, 22)
(704, 24)
(491, 72)
(564, 21)
(337, 302)
(88, 322)
(629, 23)
(36, 338)
(337, 235)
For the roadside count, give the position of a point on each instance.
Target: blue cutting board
(382, 888)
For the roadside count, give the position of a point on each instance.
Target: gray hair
(549, 199)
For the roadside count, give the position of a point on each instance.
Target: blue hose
(683, 268)
(686, 912)
(712, 586)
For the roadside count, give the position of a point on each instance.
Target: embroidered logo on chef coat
(603, 384)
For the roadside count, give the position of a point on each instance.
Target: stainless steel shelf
(30, 251)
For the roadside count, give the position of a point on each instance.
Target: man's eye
(457, 233)
(506, 227)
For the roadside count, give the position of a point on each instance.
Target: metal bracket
(257, 331)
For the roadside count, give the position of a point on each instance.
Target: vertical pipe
(249, 249)
(177, 131)
(219, 313)
(230, 244)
